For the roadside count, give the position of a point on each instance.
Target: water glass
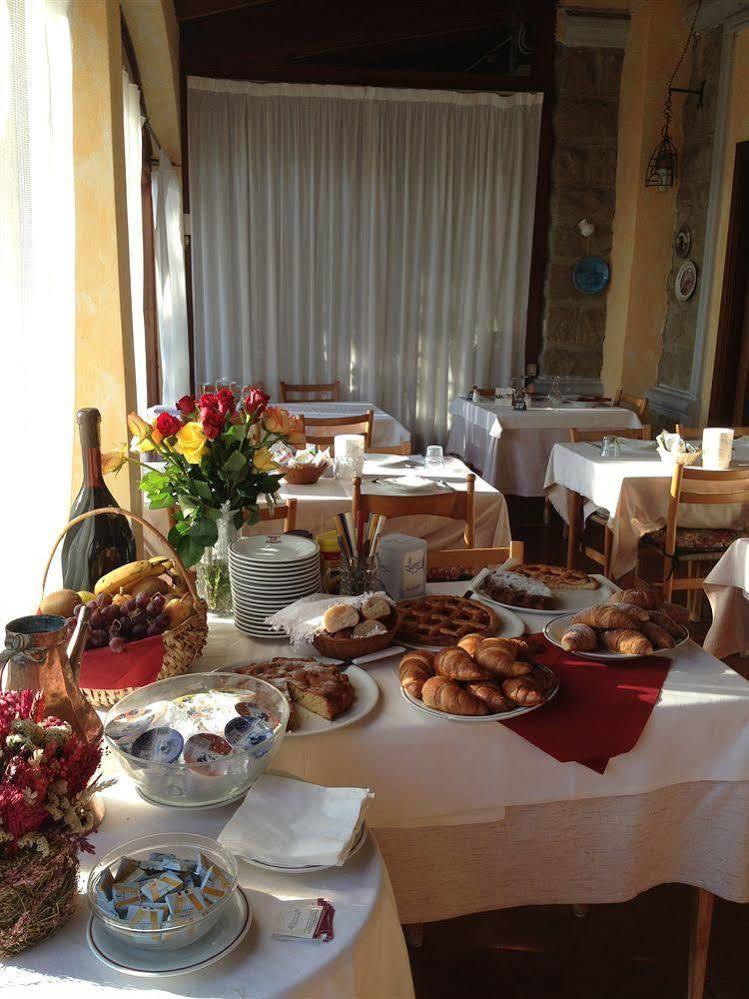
(434, 458)
(611, 448)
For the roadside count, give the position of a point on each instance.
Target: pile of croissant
(632, 622)
(480, 676)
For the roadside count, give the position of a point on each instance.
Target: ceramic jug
(39, 656)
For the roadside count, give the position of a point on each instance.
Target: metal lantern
(663, 163)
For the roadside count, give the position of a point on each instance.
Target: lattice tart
(557, 577)
(443, 620)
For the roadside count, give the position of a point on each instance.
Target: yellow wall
(737, 130)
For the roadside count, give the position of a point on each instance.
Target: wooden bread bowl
(304, 475)
(345, 647)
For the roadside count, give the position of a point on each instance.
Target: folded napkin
(138, 664)
(290, 823)
(303, 619)
(601, 708)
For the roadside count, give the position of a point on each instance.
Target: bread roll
(376, 608)
(340, 616)
(369, 628)
(414, 670)
(498, 662)
(606, 618)
(579, 638)
(658, 636)
(446, 695)
(491, 695)
(456, 664)
(648, 598)
(626, 641)
(523, 691)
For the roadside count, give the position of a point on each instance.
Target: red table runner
(600, 710)
(138, 664)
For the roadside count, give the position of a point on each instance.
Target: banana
(128, 575)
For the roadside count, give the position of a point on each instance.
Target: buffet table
(386, 431)
(366, 958)
(727, 589)
(634, 489)
(511, 448)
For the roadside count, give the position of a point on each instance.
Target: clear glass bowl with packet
(198, 704)
(185, 846)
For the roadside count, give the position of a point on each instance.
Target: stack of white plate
(269, 573)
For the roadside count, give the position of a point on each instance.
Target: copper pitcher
(39, 655)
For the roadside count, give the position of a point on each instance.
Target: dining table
(386, 430)
(632, 487)
(727, 589)
(511, 447)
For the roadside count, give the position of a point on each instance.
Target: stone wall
(583, 186)
(695, 158)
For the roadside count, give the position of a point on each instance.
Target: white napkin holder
(403, 566)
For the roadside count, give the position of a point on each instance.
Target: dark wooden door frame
(733, 302)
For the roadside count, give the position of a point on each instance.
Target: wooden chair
(463, 563)
(601, 517)
(322, 392)
(322, 430)
(285, 511)
(695, 433)
(404, 448)
(454, 504)
(637, 403)
(695, 545)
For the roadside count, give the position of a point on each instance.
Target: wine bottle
(98, 544)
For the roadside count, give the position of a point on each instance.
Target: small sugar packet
(125, 868)
(105, 883)
(124, 895)
(140, 918)
(106, 904)
(186, 904)
(156, 888)
(304, 919)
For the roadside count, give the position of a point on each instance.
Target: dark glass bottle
(98, 544)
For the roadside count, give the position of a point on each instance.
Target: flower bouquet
(217, 461)
(46, 813)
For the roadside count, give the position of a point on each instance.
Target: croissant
(659, 637)
(627, 641)
(648, 599)
(498, 663)
(606, 617)
(579, 638)
(456, 664)
(523, 690)
(415, 668)
(445, 695)
(491, 695)
(639, 613)
(469, 643)
(665, 621)
(677, 612)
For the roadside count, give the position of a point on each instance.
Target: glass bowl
(183, 846)
(196, 784)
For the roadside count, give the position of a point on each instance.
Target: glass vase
(212, 576)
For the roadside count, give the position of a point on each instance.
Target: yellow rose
(296, 435)
(276, 420)
(113, 461)
(263, 460)
(145, 437)
(191, 442)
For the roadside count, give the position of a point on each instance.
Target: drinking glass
(611, 448)
(434, 458)
(555, 392)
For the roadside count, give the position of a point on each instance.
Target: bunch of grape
(115, 624)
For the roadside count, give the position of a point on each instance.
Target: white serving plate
(272, 549)
(510, 626)
(568, 601)
(556, 628)
(480, 719)
(309, 868)
(219, 941)
(367, 694)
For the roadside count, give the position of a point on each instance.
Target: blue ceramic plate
(590, 275)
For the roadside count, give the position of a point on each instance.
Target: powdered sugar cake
(322, 689)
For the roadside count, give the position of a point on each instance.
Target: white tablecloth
(511, 448)
(634, 489)
(727, 588)
(367, 957)
(386, 431)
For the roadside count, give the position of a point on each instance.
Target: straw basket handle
(178, 563)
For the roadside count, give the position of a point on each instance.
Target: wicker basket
(182, 645)
(335, 647)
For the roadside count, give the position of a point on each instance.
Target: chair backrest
(695, 433)
(322, 430)
(457, 505)
(404, 448)
(637, 403)
(322, 392)
(632, 433)
(285, 511)
(475, 558)
(734, 483)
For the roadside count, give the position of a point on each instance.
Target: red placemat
(138, 664)
(600, 710)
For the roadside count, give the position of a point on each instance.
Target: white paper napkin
(290, 823)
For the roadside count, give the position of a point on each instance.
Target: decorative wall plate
(686, 281)
(683, 241)
(590, 275)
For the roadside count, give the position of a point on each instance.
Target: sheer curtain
(133, 173)
(37, 290)
(381, 237)
(170, 281)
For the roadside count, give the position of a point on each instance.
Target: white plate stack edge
(267, 574)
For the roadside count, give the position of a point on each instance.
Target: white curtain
(37, 290)
(170, 282)
(380, 237)
(133, 175)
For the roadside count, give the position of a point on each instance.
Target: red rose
(168, 425)
(225, 399)
(212, 421)
(256, 401)
(186, 405)
(208, 401)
